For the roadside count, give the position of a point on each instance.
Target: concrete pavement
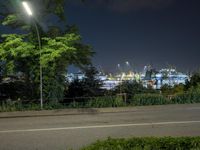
(62, 112)
(74, 130)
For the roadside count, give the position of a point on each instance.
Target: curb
(63, 112)
(90, 111)
(46, 113)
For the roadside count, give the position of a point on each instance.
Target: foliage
(22, 56)
(11, 106)
(131, 88)
(75, 89)
(179, 89)
(195, 88)
(148, 99)
(194, 81)
(187, 98)
(169, 90)
(91, 83)
(89, 86)
(95, 102)
(19, 57)
(57, 54)
(103, 101)
(60, 46)
(13, 88)
(159, 99)
(13, 14)
(147, 143)
(106, 101)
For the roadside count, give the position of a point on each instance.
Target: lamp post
(29, 12)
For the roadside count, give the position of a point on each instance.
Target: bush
(150, 143)
(13, 89)
(96, 102)
(169, 90)
(107, 101)
(131, 88)
(17, 106)
(148, 99)
(186, 98)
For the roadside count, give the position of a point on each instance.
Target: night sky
(157, 32)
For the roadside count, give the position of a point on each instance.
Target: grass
(106, 101)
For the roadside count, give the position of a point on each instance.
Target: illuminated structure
(149, 78)
(156, 79)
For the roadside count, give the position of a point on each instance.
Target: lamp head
(27, 8)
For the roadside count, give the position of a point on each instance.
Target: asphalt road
(75, 131)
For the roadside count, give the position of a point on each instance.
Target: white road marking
(101, 126)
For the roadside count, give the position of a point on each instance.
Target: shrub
(186, 98)
(17, 106)
(131, 88)
(107, 101)
(150, 143)
(148, 99)
(169, 90)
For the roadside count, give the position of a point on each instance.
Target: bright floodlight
(127, 62)
(27, 8)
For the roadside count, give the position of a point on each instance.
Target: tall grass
(148, 99)
(106, 101)
(186, 98)
(96, 102)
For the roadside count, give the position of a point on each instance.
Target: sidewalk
(82, 111)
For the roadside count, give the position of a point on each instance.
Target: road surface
(74, 131)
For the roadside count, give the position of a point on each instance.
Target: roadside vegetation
(90, 95)
(20, 62)
(148, 143)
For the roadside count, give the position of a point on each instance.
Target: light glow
(27, 8)
(127, 63)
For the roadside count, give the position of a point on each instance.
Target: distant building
(165, 76)
(149, 78)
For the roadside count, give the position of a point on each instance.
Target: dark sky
(157, 32)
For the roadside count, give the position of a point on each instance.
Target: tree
(194, 83)
(194, 80)
(168, 90)
(12, 12)
(12, 88)
(89, 86)
(57, 54)
(19, 57)
(92, 83)
(75, 89)
(131, 88)
(60, 47)
(179, 89)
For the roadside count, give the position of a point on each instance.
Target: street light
(29, 12)
(27, 8)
